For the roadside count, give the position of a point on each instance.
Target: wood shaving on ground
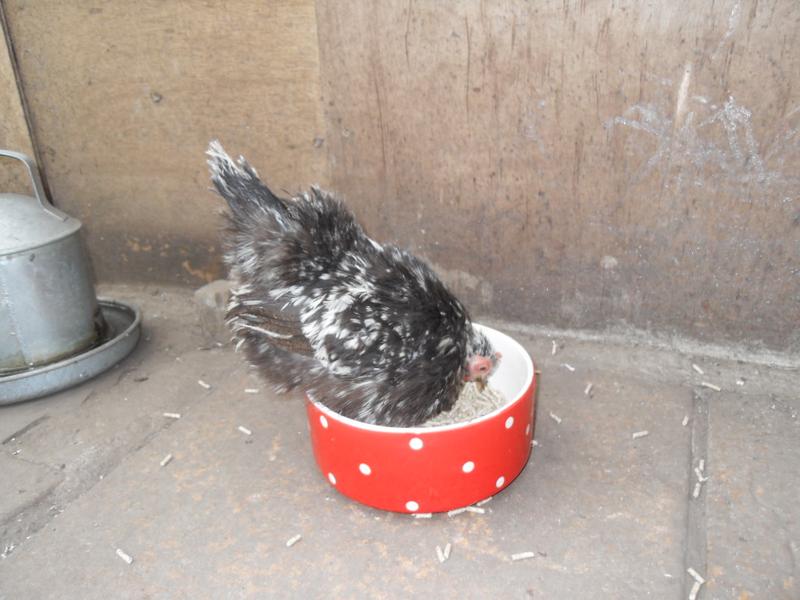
(522, 556)
(710, 386)
(588, 389)
(698, 369)
(472, 403)
(293, 540)
(569, 367)
(166, 460)
(639, 434)
(124, 556)
(173, 415)
(555, 418)
(244, 430)
(203, 384)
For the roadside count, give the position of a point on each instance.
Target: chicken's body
(387, 342)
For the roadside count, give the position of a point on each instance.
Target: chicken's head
(482, 358)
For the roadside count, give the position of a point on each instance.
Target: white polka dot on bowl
(468, 467)
(415, 443)
(500, 481)
(332, 478)
(412, 506)
(509, 422)
(323, 421)
(364, 468)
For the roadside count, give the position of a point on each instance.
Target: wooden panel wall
(590, 164)
(14, 133)
(124, 97)
(585, 164)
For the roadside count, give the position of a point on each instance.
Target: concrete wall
(580, 164)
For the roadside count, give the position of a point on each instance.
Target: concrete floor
(607, 516)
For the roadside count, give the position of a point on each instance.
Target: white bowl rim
(417, 430)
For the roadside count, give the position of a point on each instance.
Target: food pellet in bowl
(471, 404)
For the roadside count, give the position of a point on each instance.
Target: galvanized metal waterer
(48, 308)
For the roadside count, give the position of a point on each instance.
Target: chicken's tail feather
(241, 187)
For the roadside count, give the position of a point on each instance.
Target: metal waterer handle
(38, 188)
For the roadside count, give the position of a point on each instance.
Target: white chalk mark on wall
(713, 145)
(733, 23)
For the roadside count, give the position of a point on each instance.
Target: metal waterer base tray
(124, 326)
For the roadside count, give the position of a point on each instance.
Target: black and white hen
(365, 328)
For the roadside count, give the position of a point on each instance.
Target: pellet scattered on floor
(710, 386)
(293, 540)
(166, 460)
(588, 389)
(203, 384)
(475, 509)
(696, 576)
(172, 415)
(696, 491)
(456, 511)
(124, 556)
(640, 434)
(569, 367)
(698, 369)
(685, 421)
(522, 556)
(244, 430)
(250, 390)
(555, 418)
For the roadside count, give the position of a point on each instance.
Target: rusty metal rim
(34, 383)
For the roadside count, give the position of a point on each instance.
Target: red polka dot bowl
(432, 469)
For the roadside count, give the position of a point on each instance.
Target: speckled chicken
(365, 328)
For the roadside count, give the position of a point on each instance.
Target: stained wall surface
(14, 133)
(125, 96)
(584, 164)
(579, 164)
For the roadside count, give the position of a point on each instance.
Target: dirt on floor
(604, 514)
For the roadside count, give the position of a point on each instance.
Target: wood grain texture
(583, 164)
(13, 128)
(124, 97)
